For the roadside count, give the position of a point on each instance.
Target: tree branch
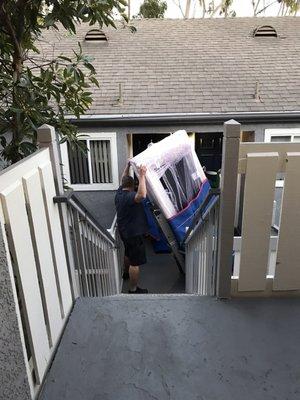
(267, 6)
(178, 4)
(4, 65)
(256, 7)
(216, 9)
(20, 6)
(17, 56)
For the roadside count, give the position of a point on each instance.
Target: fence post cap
(46, 134)
(232, 129)
(231, 122)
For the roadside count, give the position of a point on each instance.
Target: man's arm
(142, 190)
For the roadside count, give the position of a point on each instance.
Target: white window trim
(269, 133)
(112, 137)
(281, 132)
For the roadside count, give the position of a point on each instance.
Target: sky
(243, 8)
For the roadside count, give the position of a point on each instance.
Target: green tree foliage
(288, 7)
(153, 9)
(35, 90)
(285, 7)
(214, 8)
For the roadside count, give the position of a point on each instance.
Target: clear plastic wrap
(174, 175)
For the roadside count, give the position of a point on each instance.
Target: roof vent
(265, 31)
(95, 35)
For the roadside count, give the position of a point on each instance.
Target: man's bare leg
(134, 273)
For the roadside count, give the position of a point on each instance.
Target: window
(287, 135)
(282, 135)
(247, 136)
(96, 169)
(283, 138)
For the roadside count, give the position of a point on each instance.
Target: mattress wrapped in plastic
(175, 180)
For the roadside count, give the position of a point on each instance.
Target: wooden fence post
(46, 137)
(229, 174)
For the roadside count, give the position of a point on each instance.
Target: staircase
(68, 334)
(177, 347)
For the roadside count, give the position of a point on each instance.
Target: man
(132, 223)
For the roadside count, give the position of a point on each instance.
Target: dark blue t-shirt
(131, 217)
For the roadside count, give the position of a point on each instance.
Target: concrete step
(152, 296)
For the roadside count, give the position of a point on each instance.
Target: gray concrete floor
(162, 347)
(101, 205)
(160, 274)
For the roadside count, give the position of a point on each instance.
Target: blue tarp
(159, 242)
(181, 222)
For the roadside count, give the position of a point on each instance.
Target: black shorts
(135, 250)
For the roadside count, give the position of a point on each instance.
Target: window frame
(280, 132)
(88, 136)
(269, 133)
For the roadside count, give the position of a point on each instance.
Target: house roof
(192, 66)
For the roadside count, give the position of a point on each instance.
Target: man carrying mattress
(132, 223)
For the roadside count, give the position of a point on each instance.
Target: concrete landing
(178, 347)
(160, 274)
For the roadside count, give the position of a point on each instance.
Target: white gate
(36, 258)
(256, 250)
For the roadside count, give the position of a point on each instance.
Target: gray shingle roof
(211, 65)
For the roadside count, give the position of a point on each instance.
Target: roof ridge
(214, 19)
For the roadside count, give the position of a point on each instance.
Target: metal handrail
(119, 246)
(202, 212)
(201, 247)
(70, 198)
(202, 219)
(95, 251)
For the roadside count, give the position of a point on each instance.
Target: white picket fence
(265, 264)
(33, 238)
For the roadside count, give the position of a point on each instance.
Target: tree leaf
(36, 86)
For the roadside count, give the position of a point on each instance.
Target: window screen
(280, 138)
(94, 166)
(78, 162)
(101, 161)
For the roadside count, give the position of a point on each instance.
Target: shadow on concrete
(160, 274)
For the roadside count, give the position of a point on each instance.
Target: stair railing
(201, 248)
(94, 251)
(120, 249)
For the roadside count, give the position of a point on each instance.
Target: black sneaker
(138, 291)
(125, 275)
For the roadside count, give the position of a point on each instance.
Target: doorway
(208, 147)
(140, 142)
(161, 273)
